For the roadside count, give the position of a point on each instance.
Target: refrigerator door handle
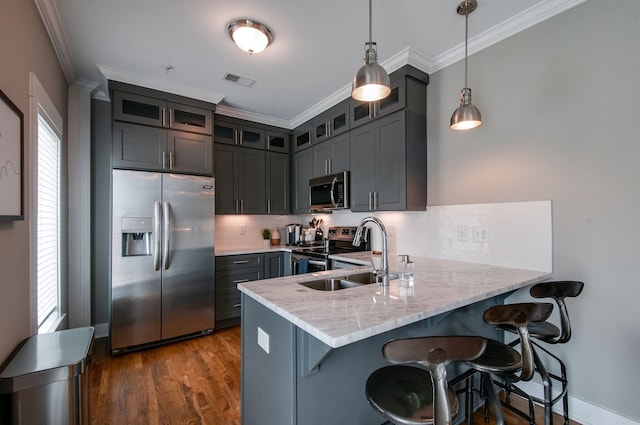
(166, 208)
(156, 235)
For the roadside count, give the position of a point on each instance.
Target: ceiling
(183, 47)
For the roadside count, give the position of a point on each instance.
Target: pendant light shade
(466, 116)
(249, 35)
(371, 82)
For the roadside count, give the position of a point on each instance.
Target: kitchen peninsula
(306, 354)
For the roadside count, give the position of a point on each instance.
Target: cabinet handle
(240, 281)
(269, 207)
(370, 201)
(171, 118)
(329, 129)
(164, 160)
(237, 305)
(164, 117)
(241, 206)
(171, 160)
(241, 262)
(329, 166)
(375, 201)
(240, 137)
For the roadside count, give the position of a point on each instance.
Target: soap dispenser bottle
(405, 267)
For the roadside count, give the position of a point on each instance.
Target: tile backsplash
(510, 234)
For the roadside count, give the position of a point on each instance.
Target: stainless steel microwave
(330, 192)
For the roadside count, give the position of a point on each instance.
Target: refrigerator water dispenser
(137, 234)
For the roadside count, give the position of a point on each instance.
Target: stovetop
(340, 242)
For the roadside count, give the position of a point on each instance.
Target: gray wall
(559, 102)
(24, 48)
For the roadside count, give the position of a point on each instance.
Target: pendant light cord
(370, 23)
(466, 39)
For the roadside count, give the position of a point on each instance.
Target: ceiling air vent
(243, 81)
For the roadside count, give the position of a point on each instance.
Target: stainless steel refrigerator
(162, 259)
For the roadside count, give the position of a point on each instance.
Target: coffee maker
(292, 233)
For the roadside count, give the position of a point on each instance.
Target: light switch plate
(263, 340)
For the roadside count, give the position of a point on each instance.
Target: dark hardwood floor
(194, 382)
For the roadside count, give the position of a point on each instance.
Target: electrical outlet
(263, 340)
(480, 234)
(463, 233)
(243, 229)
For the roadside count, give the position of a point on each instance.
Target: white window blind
(48, 223)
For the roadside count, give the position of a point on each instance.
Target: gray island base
(307, 354)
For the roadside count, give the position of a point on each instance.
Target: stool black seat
(500, 359)
(410, 395)
(549, 333)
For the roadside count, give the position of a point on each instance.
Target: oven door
(301, 264)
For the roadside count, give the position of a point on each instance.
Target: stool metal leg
(547, 388)
(492, 396)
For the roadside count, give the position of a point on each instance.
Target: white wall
(559, 102)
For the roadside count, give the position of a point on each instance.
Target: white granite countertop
(342, 317)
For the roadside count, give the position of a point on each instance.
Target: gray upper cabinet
(302, 137)
(331, 156)
(363, 112)
(277, 183)
(190, 152)
(389, 164)
(277, 141)
(149, 148)
(255, 180)
(159, 131)
(237, 133)
(332, 122)
(136, 108)
(239, 174)
(303, 171)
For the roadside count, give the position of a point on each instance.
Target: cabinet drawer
(234, 262)
(227, 280)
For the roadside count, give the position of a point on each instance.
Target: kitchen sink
(343, 282)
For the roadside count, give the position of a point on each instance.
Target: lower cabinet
(230, 271)
(274, 265)
(234, 269)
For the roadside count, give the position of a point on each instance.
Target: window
(48, 240)
(48, 224)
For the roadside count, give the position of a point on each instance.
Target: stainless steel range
(315, 257)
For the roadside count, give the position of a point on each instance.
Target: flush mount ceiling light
(249, 35)
(371, 82)
(466, 116)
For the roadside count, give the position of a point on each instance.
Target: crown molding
(251, 116)
(53, 24)
(516, 24)
(110, 73)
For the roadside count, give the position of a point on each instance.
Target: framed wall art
(11, 161)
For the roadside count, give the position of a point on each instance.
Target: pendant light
(371, 82)
(249, 35)
(466, 116)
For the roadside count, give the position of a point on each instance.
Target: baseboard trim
(580, 411)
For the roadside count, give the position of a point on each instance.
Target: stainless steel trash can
(44, 381)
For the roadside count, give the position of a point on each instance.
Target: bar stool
(549, 333)
(408, 395)
(500, 359)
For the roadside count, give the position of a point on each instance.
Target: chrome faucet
(384, 264)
